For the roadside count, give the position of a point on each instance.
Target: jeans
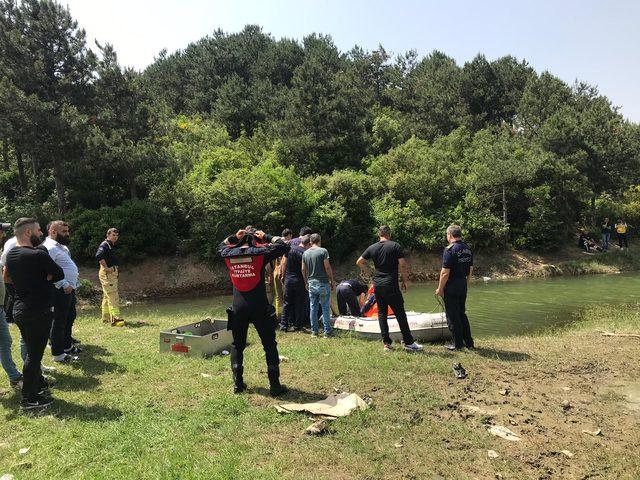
(320, 297)
(5, 349)
(35, 328)
(391, 296)
(605, 241)
(64, 315)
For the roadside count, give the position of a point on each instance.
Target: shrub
(144, 230)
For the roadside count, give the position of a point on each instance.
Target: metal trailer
(201, 339)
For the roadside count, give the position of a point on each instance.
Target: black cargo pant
(64, 315)
(457, 320)
(296, 300)
(264, 320)
(347, 300)
(391, 296)
(34, 328)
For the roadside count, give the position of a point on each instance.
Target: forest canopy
(242, 128)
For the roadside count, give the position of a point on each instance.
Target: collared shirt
(106, 252)
(62, 256)
(8, 245)
(457, 257)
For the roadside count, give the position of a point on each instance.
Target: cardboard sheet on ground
(333, 406)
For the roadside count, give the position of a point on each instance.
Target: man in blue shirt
(64, 300)
(457, 268)
(296, 298)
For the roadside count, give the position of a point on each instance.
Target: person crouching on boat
(246, 255)
(388, 257)
(350, 295)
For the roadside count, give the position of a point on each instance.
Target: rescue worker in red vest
(246, 254)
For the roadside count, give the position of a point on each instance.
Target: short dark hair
(56, 224)
(21, 224)
(315, 238)
(455, 231)
(305, 240)
(384, 231)
(305, 231)
(112, 230)
(286, 232)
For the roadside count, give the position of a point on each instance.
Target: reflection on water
(494, 308)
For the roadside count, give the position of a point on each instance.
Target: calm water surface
(494, 307)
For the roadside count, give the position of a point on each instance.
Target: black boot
(275, 388)
(238, 384)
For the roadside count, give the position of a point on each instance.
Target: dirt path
(572, 401)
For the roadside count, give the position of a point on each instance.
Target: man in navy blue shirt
(295, 312)
(457, 268)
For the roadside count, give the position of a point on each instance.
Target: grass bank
(127, 411)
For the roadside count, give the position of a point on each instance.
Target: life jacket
(245, 271)
(373, 310)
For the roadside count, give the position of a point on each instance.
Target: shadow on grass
(492, 353)
(90, 364)
(63, 410)
(293, 395)
(73, 383)
(505, 355)
(139, 324)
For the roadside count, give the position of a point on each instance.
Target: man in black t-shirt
(387, 256)
(32, 272)
(295, 311)
(348, 292)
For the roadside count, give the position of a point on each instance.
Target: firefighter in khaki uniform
(109, 279)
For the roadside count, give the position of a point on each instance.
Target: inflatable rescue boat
(424, 326)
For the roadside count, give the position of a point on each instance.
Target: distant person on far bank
(606, 228)
(108, 276)
(388, 258)
(621, 232)
(457, 268)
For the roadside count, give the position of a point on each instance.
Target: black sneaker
(75, 341)
(47, 383)
(459, 371)
(36, 403)
(67, 359)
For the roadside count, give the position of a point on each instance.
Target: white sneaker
(414, 347)
(47, 369)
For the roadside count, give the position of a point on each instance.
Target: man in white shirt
(63, 348)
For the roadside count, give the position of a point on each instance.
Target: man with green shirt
(318, 278)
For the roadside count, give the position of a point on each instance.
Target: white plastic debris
(503, 432)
